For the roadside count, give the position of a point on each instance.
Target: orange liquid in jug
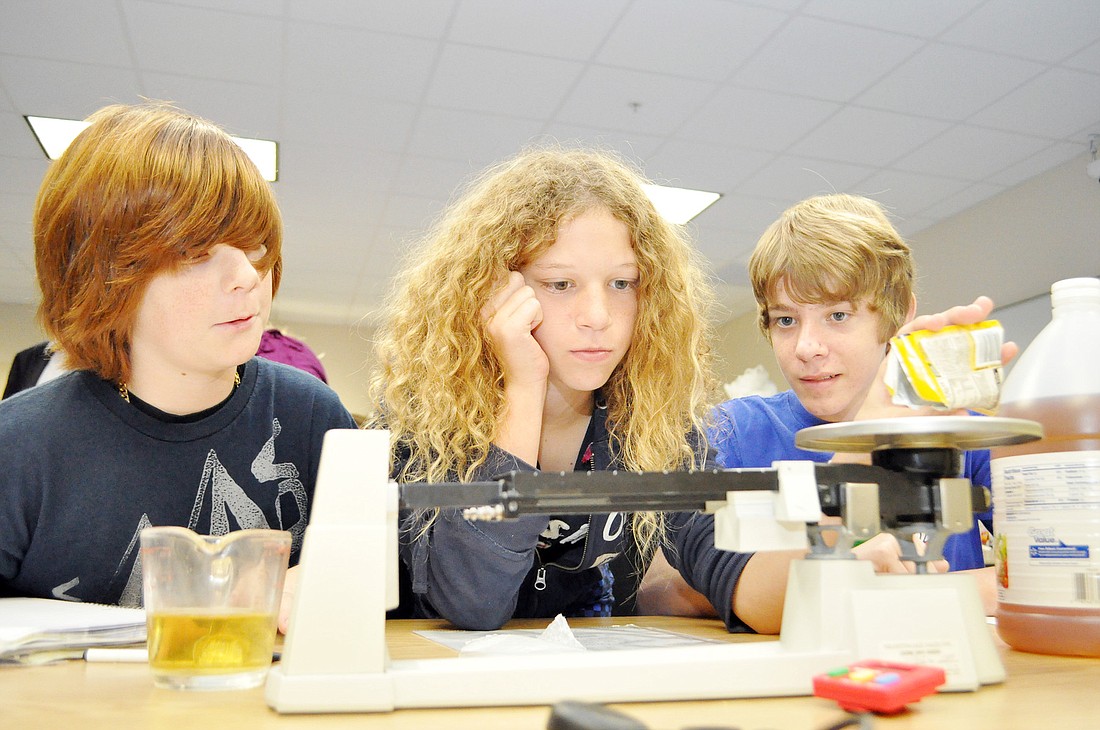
(1070, 424)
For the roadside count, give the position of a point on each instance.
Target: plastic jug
(1046, 494)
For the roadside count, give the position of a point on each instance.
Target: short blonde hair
(140, 191)
(835, 248)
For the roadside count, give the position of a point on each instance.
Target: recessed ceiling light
(54, 136)
(679, 205)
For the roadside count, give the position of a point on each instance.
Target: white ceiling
(381, 109)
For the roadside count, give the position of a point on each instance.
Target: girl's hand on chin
(510, 316)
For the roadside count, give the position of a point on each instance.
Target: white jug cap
(1067, 291)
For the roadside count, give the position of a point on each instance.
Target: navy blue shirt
(82, 472)
(478, 575)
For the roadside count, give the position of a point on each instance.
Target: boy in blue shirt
(833, 281)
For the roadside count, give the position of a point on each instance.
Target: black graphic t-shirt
(82, 472)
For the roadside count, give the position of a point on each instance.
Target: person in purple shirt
(279, 346)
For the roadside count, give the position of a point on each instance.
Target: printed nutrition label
(1047, 528)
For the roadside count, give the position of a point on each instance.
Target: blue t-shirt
(753, 432)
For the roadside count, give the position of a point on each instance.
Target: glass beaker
(211, 605)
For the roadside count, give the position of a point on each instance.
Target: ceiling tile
(1055, 104)
(419, 19)
(631, 145)
(909, 17)
(410, 213)
(431, 177)
(314, 169)
(971, 153)
(272, 8)
(791, 178)
(907, 192)
(707, 43)
(64, 31)
(856, 58)
(909, 227)
(176, 39)
(786, 5)
(1029, 29)
(63, 89)
(383, 110)
(753, 118)
(347, 206)
(315, 262)
(23, 175)
(702, 166)
(606, 97)
(723, 245)
(747, 214)
(1048, 158)
(315, 247)
(735, 273)
(17, 209)
(960, 200)
(544, 29)
(347, 121)
(948, 82)
(471, 137)
(17, 139)
(338, 61)
(867, 136)
(242, 109)
(18, 255)
(500, 82)
(1086, 60)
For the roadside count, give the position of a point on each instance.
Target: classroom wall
(18, 330)
(740, 345)
(1035, 234)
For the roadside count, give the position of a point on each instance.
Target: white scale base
(837, 611)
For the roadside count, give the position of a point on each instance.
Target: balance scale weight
(837, 609)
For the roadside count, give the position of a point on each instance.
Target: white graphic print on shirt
(227, 498)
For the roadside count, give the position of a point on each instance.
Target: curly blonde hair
(438, 385)
(835, 248)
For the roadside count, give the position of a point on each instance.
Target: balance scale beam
(837, 611)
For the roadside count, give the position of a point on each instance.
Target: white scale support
(837, 610)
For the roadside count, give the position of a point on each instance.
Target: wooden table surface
(1041, 692)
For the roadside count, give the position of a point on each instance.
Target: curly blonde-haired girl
(551, 319)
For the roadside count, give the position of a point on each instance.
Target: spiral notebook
(38, 630)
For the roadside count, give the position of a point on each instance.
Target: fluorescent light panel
(679, 205)
(55, 135)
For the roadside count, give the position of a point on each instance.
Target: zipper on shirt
(540, 574)
(540, 579)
